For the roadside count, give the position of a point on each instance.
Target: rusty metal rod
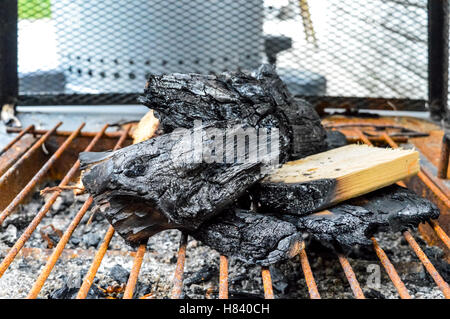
(391, 271)
(444, 158)
(309, 277)
(440, 232)
(377, 139)
(90, 275)
(36, 178)
(425, 179)
(40, 281)
(117, 134)
(44, 210)
(179, 270)
(13, 169)
(351, 277)
(440, 282)
(223, 278)
(17, 138)
(267, 283)
(132, 280)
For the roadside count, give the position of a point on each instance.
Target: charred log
(260, 100)
(161, 183)
(250, 237)
(393, 208)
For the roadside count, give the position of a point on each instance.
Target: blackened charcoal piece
(161, 183)
(335, 139)
(250, 237)
(392, 208)
(260, 100)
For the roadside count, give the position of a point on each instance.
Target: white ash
(202, 263)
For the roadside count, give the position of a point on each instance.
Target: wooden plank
(327, 178)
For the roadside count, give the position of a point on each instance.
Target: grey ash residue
(202, 263)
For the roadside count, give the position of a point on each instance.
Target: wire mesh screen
(372, 48)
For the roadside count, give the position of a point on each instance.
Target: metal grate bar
(391, 271)
(223, 278)
(132, 280)
(179, 270)
(89, 278)
(28, 153)
(443, 286)
(117, 134)
(36, 178)
(17, 138)
(40, 281)
(440, 232)
(267, 283)
(309, 277)
(44, 210)
(351, 277)
(440, 282)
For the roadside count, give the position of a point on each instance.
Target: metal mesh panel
(372, 48)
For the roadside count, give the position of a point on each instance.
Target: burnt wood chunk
(250, 237)
(393, 208)
(159, 183)
(259, 99)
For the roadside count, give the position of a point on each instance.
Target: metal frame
(437, 73)
(9, 79)
(438, 59)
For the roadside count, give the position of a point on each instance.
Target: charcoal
(259, 99)
(353, 222)
(119, 274)
(203, 275)
(91, 239)
(250, 237)
(145, 188)
(335, 139)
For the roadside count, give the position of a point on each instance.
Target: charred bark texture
(294, 198)
(260, 100)
(392, 208)
(161, 183)
(250, 237)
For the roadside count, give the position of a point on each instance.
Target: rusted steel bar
(90, 275)
(132, 280)
(34, 292)
(350, 274)
(267, 283)
(440, 232)
(377, 139)
(179, 270)
(117, 134)
(363, 137)
(443, 160)
(223, 278)
(13, 169)
(429, 183)
(18, 137)
(391, 271)
(309, 277)
(44, 210)
(36, 178)
(440, 282)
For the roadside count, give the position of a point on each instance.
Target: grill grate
(176, 293)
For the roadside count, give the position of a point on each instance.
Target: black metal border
(437, 73)
(9, 80)
(438, 59)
